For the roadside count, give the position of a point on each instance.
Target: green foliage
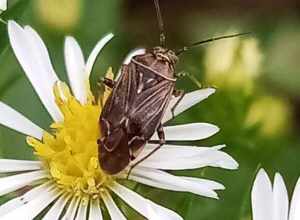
(15, 11)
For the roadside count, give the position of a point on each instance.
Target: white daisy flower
(3, 5)
(272, 202)
(67, 176)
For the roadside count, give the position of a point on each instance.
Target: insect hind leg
(180, 94)
(161, 141)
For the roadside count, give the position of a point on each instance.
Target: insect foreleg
(108, 82)
(180, 94)
(162, 141)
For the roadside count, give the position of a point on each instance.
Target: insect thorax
(164, 54)
(160, 60)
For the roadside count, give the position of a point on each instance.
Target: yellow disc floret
(70, 152)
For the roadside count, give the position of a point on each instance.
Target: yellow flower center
(70, 152)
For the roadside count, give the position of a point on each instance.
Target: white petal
(295, 203)
(3, 5)
(11, 183)
(82, 210)
(27, 197)
(71, 211)
(164, 180)
(76, 69)
(113, 210)
(280, 199)
(262, 197)
(31, 209)
(177, 151)
(57, 208)
(93, 56)
(16, 121)
(189, 100)
(153, 215)
(33, 57)
(176, 157)
(42, 53)
(18, 165)
(209, 184)
(188, 132)
(95, 210)
(135, 52)
(142, 205)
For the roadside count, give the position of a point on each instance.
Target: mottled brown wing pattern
(114, 152)
(132, 114)
(150, 106)
(150, 102)
(117, 105)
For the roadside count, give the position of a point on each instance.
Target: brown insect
(138, 101)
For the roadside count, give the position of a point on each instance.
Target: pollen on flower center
(70, 151)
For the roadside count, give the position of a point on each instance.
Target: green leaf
(14, 12)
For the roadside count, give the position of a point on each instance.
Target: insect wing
(117, 105)
(149, 106)
(114, 154)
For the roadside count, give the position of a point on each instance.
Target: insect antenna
(186, 48)
(162, 36)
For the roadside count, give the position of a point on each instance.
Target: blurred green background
(257, 103)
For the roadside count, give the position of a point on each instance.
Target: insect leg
(161, 134)
(162, 141)
(136, 146)
(190, 76)
(180, 94)
(144, 158)
(108, 82)
(180, 74)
